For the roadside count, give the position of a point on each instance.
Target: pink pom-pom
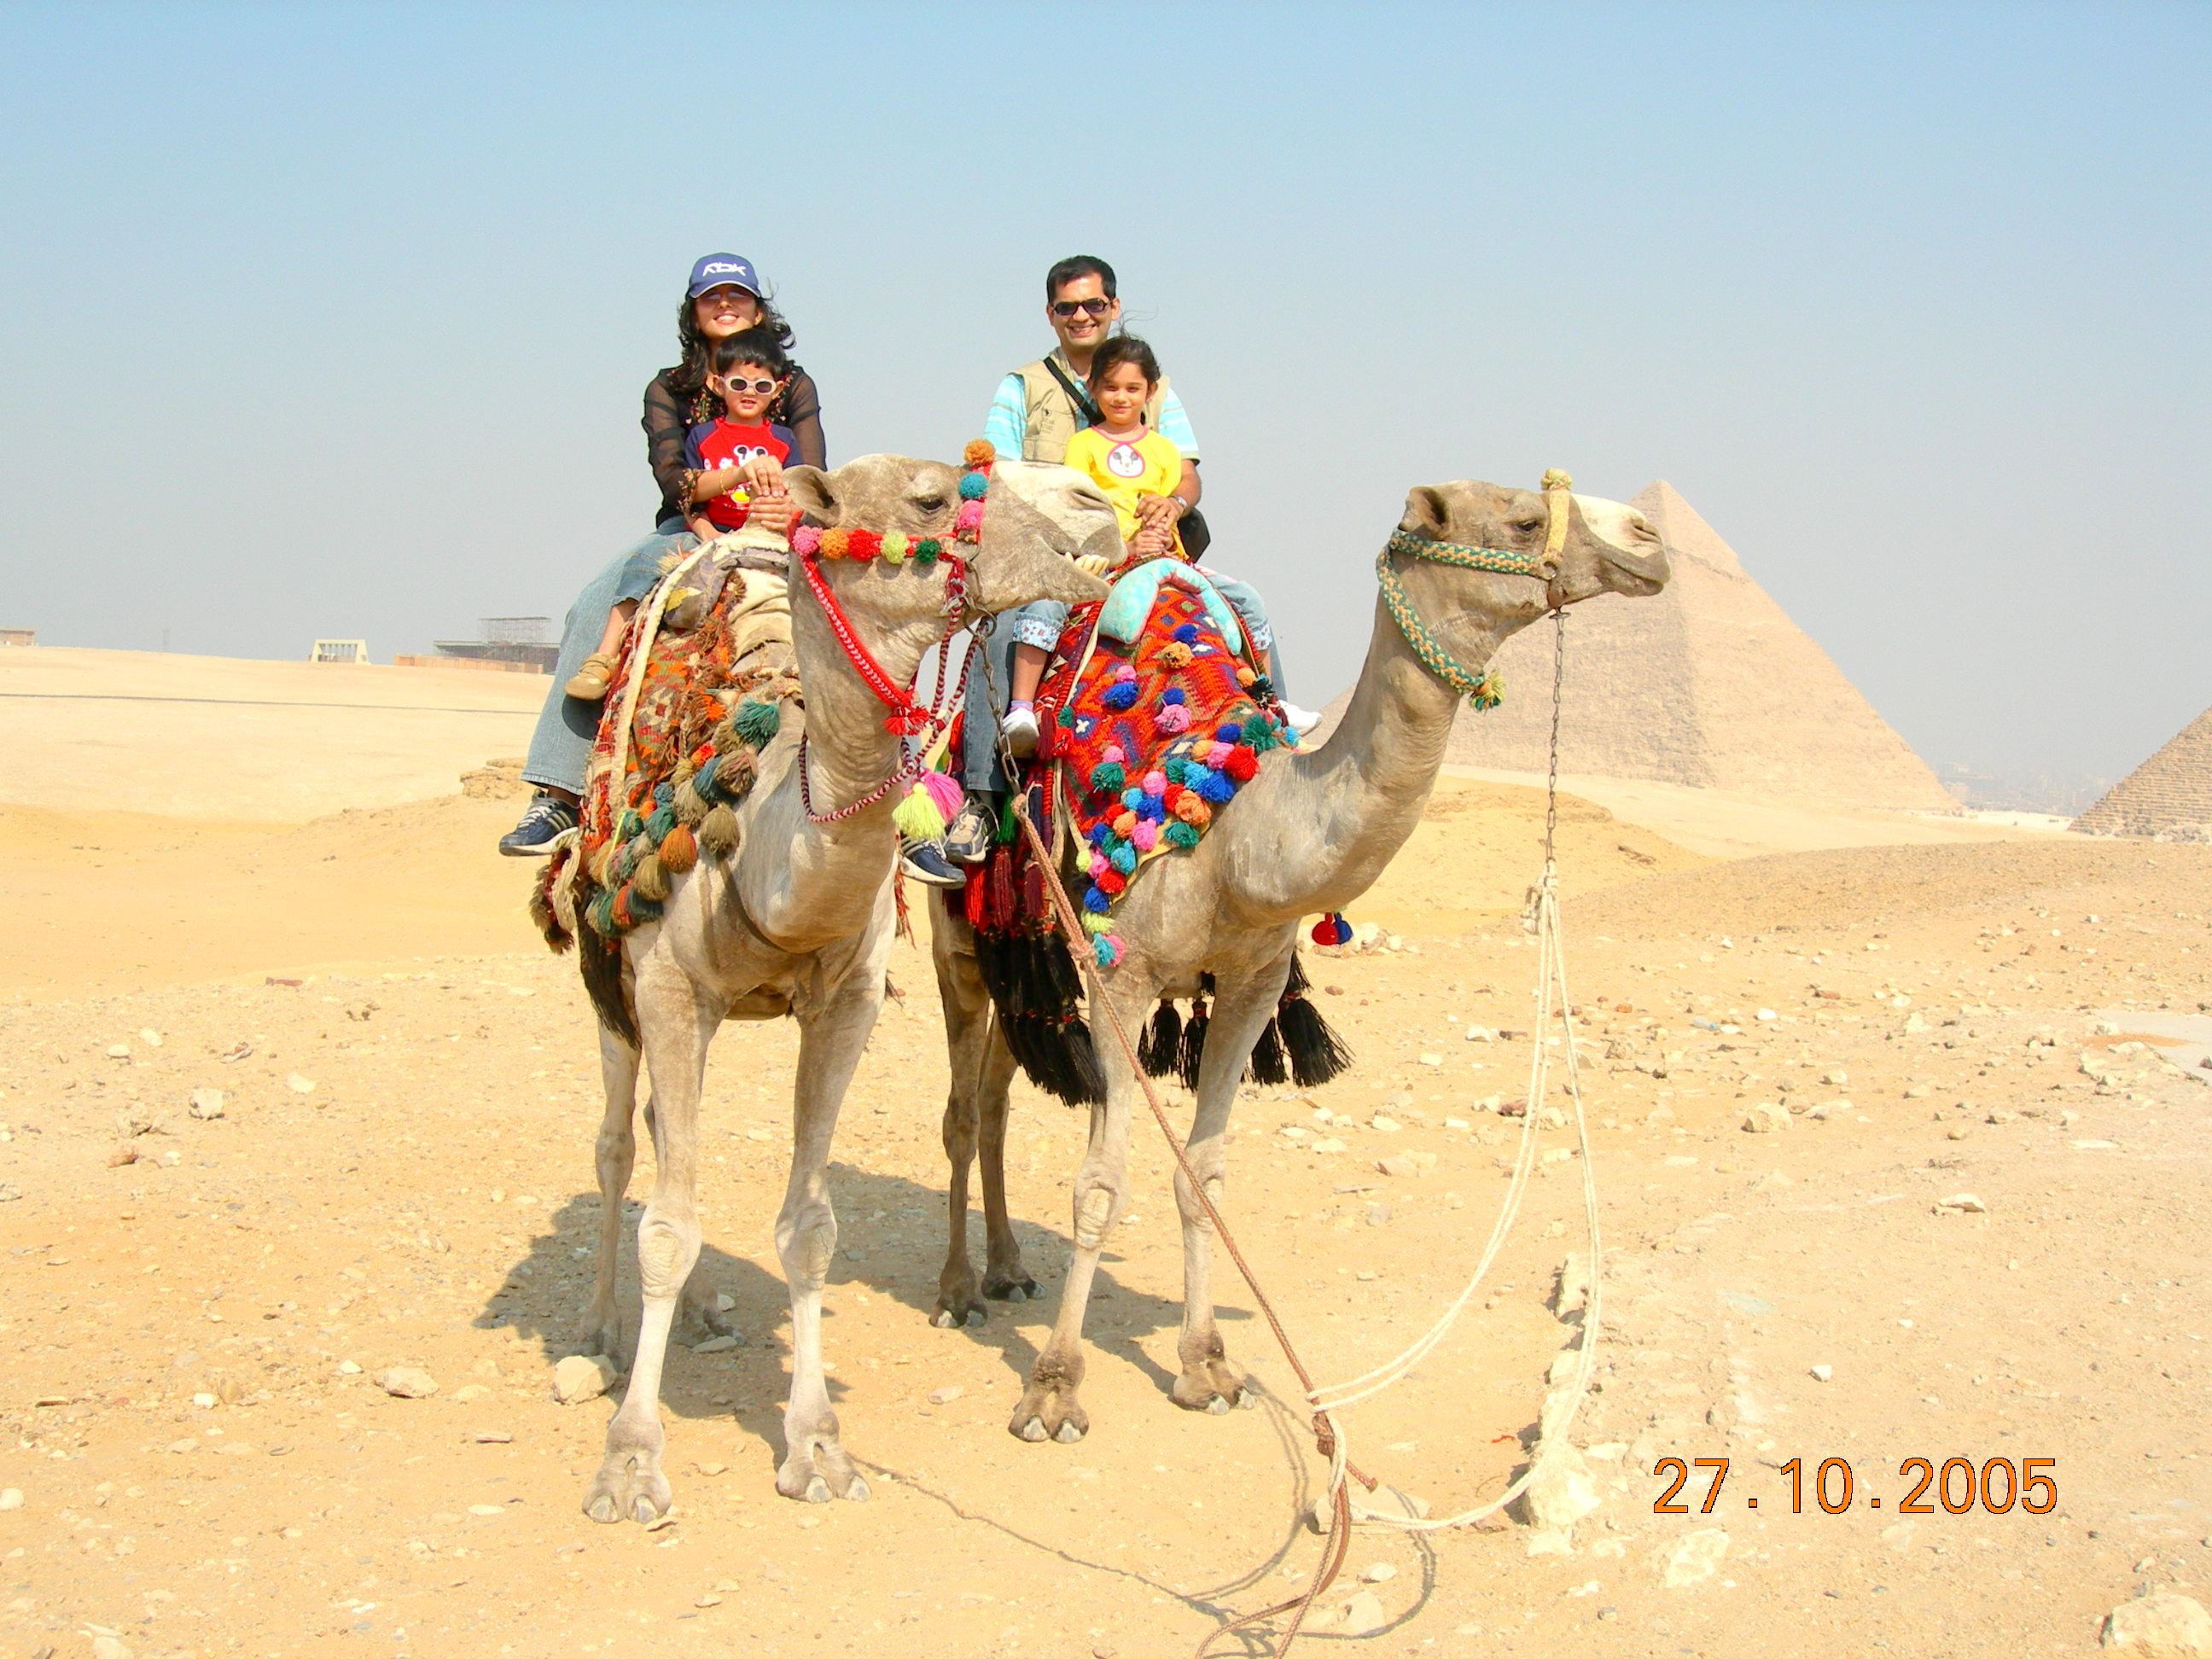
(1114, 753)
(1172, 719)
(1107, 949)
(1124, 671)
(971, 517)
(944, 792)
(807, 539)
(1155, 783)
(1145, 836)
(1216, 753)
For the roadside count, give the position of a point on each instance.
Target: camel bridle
(1482, 690)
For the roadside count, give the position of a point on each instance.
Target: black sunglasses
(1069, 307)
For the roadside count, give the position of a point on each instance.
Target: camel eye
(1527, 526)
(930, 503)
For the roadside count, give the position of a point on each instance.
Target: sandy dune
(402, 1176)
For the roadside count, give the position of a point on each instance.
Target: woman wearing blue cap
(724, 298)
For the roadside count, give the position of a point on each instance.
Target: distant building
(528, 642)
(18, 637)
(352, 651)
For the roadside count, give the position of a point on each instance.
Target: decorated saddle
(1153, 716)
(699, 692)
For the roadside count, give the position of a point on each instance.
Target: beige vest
(1051, 419)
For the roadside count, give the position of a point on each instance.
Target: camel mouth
(1636, 576)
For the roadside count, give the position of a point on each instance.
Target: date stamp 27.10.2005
(1957, 1485)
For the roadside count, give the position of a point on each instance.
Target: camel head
(1036, 522)
(1610, 547)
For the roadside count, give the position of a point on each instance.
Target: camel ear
(809, 489)
(1425, 513)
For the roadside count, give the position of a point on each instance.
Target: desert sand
(1974, 1234)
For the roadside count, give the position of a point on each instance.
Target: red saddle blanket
(1150, 740)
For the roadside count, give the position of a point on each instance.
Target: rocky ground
(1965, 1224)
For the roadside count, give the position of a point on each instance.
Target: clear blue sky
(333, 319)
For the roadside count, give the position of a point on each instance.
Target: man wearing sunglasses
(1038, 408)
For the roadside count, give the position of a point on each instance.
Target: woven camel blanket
(697, 692)
(1152, 736)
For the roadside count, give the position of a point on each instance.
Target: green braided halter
(1485, 690)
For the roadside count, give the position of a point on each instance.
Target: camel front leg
(967, 1032)
(1243, 1005)
(615, 1155)
(1049, 1408)
(678, 1019)
(815, 1465)
(1005, 1277)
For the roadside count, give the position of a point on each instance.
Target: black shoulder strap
(1077, 393)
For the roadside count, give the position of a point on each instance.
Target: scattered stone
(1914, 1024)
(1823, 1373)
(1363, 1614)
(1377, 1214)
(11, 1498)
(118, 1051)
(407, 1382)
(206, 1103)
(1765, 1118)
(468, 1391)
(486, 1509)
(493, 1437)
(1398, 1166)
(1551, 1118)
(582, 1376)
(1768, 1014)
(349, 1367)
(721, 1344)
(1836, 1079)
(2160, 1626)
(946, 1395)
(713, 1469)
(1998, 1114)
(1381, 1573)
(709, 1600)
(1920, 1091)
(1480, 1034)
(1961, 1204)
(1432, 1060)
(184, 1445)
(9, 1192)
(126, 1153)
(1956, 1132)
(1326, 1144)
(1692, 1559)
(108, 1647)
(1562, 1492)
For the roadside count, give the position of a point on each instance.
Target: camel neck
(1335, 816)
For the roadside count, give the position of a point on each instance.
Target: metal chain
(1558, 685)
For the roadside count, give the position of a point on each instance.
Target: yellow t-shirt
(1149, 465)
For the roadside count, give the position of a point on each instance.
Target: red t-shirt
(713, 445)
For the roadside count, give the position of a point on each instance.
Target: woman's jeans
(561, 747)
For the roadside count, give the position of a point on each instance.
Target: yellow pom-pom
(1555, 479)
(981, 452)
(896, 546)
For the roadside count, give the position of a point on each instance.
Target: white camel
(799, 920)
(1310, 833)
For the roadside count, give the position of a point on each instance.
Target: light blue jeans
(561, 747)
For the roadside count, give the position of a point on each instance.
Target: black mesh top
(668, 417)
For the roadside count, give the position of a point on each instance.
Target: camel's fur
(800, 919)
(1310, 833)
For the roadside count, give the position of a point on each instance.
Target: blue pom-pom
(1102, 948)
(973, 486)
(1187, 633)
(1096, 902)
(1151, 807)
(1132, 797)
(1217, 788)
(1194, 774)
(703, 779)
(1099, 834)
(1124, 859)
(664, 792)
(1122, 694)
(1231, 733)
(1173, 694)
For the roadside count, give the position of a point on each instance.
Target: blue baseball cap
(718, 270)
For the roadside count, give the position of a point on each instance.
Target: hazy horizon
(333, 322)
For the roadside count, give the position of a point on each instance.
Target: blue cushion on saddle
(1136, 593)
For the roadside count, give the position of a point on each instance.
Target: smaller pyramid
(2167, 798)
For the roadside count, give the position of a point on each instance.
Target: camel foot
(602, 1334)
(958, 1303)
(1015, 1286)
(819, 1471)
(1215, 1388)
(630, 1487)
(1049, 1409)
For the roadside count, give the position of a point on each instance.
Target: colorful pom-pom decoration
(863, 544)
(1217, 753)
(1173, 719)
(1241, 765)
(1108, 777)
(1192, 809)
(1332, 929)
(1107, 947)
(1155, 783)
(1113, 884)
(980, 451)
(1096, 902)
(1145, 835)
(1121, 695)
(1175, 656)
(1230, 732)
(895, 546)
(1124, 857)
(970, 520)
(834, 542)
(756, 721)
(1182, 835)
(806, 539)
(1187, 634)
(1125, 825)
(1174, 693)
(1217, 788)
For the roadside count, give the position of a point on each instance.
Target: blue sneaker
(548, 816)
(925, 861)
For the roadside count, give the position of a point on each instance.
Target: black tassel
(1266, 1065)
(1163, 1043)
(1193, 1045)
(1316, 1053)
(600, 961)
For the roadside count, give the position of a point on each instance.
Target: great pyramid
(2167, 798)
(1708, 683)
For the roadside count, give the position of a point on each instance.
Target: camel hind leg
(975, 1107)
